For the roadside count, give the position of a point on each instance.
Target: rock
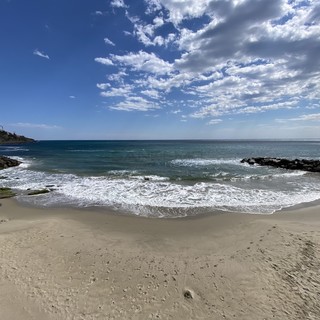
(188, 294)
(296, 164)
(6, 193)
(36, 192)
(6, 162)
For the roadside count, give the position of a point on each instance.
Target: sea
(162, 179)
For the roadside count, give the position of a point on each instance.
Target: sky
(160, 69)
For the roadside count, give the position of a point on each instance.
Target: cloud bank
(216, 58)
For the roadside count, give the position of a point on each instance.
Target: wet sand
(84, 264)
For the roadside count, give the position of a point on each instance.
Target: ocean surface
(162, 178)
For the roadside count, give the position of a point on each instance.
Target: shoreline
(120, 212)
(66, 263)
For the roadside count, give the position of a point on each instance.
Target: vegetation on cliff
(12, 138)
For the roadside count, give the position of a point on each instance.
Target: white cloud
(103, 86)
(72, 97)
(158, 22)
(143, 61)
(146, 32)
(166, 83)
(153, 94)
(305, 117)
(104, 61)
(214, 121)
(117, 77)
(108, 41)
(116, 92)
(122, 91)
(153, 6)
(35, 126)
(118, 4)
(231, 57)
(184, 9)
(41, 54)
(127, 33)
(136, 104)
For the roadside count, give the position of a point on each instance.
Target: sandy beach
(84, 264)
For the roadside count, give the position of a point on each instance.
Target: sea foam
(155, 196)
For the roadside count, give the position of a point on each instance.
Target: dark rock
(6, 162)
(188, 294)
(6, 193)
(36, 192)
(296, 164)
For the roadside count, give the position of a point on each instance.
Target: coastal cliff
(12, 138)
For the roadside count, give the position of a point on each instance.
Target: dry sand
(75, 264)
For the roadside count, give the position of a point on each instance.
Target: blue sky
(160, 69)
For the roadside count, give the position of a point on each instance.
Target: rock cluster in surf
(296, 164)
(6, 162)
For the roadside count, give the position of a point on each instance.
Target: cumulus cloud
(115, 92)
(104, 61)
(180, 10)
(135, 104)
(223, 57)
(118, 77)
(118, 4)
(41, 54)
(103, 86)
(143, 61)
(153, 94)
(147, 33)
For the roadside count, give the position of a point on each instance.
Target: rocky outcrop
(296, 164)
(12, 138)
(6, 162)
(6, 193)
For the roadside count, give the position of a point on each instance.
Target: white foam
(13, 149)
(164, 194)
(123, 172)
(157, 196)
(25, 163)
(285, 175)
(150, 177)
(198, 162)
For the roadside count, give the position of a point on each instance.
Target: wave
(13, 149)
(86, 150)
(198, 162)
(227, 176)
(156, 196)
(136, 175)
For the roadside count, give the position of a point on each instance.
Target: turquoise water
(162, 178)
